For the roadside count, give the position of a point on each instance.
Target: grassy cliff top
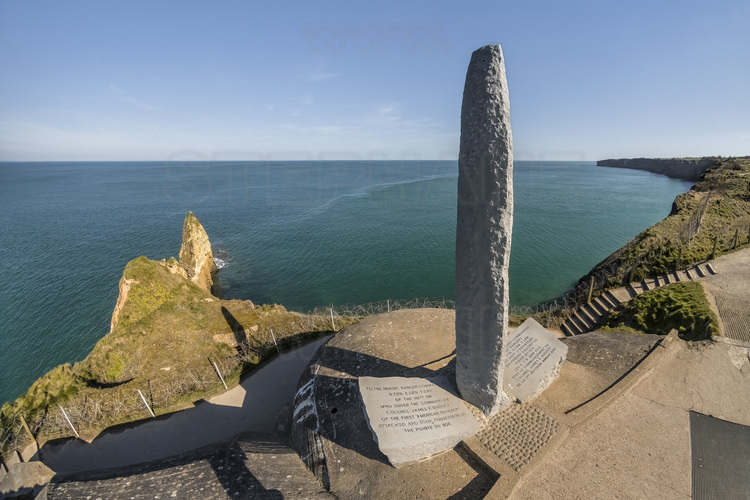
(165, 331)
(716, 209)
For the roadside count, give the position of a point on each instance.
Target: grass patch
(680, 306)
(168, 329)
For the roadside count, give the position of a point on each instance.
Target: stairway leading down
(588, 316)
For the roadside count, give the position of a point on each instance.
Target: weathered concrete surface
(25, 478)
(518, 443)
(329, 428)
(613, 425)
(413, 418)
(254, 466)
(729, 290)
(196, 256)
(483, 231)
(637, 445)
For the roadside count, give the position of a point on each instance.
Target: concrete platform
(615, 424)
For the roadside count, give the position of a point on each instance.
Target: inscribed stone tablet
(533, 359)
(414, 418)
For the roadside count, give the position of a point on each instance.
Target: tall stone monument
(483, 232)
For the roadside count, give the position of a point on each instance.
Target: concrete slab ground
(614, 425)
(252, 466)
(729, 291)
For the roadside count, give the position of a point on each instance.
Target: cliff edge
(689, 169)
(711, 219)
(196, 264)
(169, 336)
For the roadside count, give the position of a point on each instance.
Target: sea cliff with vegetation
(712, 218)
(689, 169)
(169, 336)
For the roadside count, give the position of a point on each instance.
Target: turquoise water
(302, 234)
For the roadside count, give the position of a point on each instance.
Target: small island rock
(196, 256)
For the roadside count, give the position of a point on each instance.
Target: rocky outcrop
(483, 231)
(689, 169)
(196, 264)
(196, 256)
(122, 299)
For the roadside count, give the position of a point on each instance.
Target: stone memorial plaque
(414, 418)
(533, 360)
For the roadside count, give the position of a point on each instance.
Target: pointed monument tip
(490, 49)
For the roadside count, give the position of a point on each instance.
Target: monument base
(330, 429)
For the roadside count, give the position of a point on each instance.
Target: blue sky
(225, 80)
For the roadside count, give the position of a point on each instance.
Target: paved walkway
(731, 291)
(637, 445)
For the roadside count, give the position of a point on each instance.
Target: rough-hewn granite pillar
(483, 232)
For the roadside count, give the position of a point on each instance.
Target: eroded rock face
(196, 256)
(483, 232)
(125, 285)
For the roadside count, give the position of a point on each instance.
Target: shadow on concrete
(340, 416)
(484, 480)
(259, 404)
(182, 476)
(238, 482)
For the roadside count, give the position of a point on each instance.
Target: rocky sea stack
(168, 338)
(196, 256)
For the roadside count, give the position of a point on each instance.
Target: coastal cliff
(168, 337)
(707, 221)
(196, 264)
(689, 169)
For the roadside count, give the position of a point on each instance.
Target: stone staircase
(588, 316)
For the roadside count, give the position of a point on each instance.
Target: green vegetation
(164, 334)
(716, 209)
(681, 306)
(711, 219)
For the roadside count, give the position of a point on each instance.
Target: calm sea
(302, 234)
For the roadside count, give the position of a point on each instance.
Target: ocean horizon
(301, 234)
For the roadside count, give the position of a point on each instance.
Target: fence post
(736, 238)
(274, 342)
(68, 420)
(28, 431)
(713, 252)
(591, 288)
(632, 272)
(216, 369)
(145, 403)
